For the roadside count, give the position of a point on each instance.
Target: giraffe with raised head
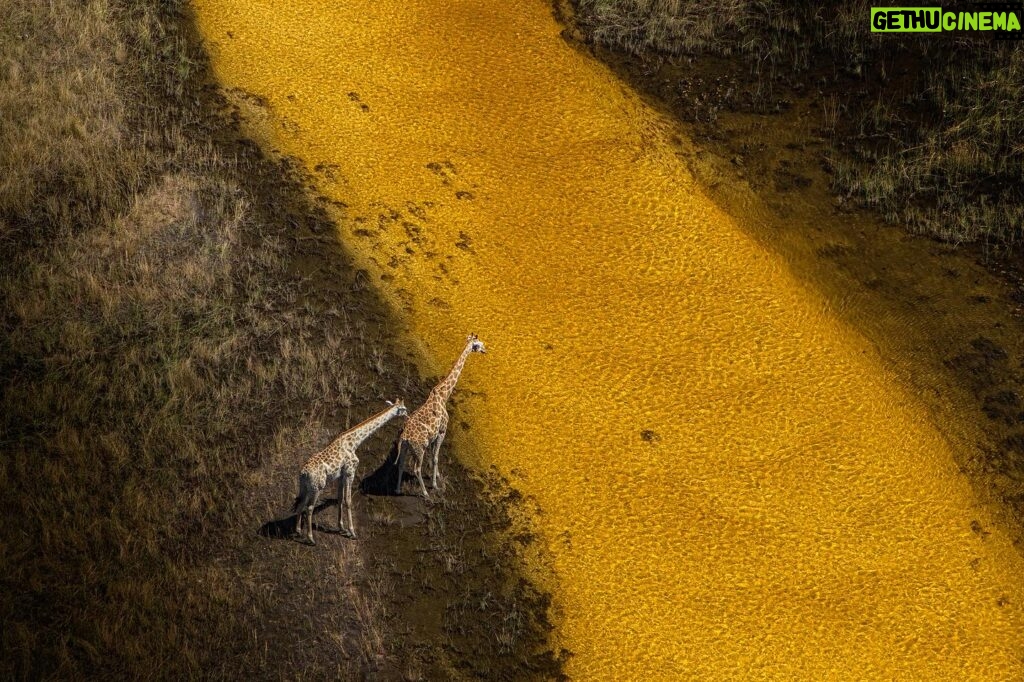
(427, 426)
(338, 461)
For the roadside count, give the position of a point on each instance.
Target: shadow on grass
(284, 529)
(383, 480)
(380, 482)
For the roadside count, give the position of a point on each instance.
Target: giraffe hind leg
(299, 508)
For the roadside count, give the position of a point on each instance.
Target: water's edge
(795, 467)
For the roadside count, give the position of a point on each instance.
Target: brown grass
(168, 357)
(151, 354)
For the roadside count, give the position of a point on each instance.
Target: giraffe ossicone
(428, 425)
(337, 461)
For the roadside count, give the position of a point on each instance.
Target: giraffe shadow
(383, 480)
(284, 529)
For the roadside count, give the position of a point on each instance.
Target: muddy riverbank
(430, 590)
(726, 476)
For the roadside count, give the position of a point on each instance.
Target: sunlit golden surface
(730, 484)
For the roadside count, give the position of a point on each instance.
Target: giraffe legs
(307, 497)
(309, 517)
(348, 504)
(419, 451)
(400, 465)
(345, 500)
(341, 499)
(437, 451)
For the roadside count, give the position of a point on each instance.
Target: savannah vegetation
(927, 129)
(180, 330)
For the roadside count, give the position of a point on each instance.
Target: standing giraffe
(427, 426)
(337, 461)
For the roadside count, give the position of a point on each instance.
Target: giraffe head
(399, 405)
(477, 344)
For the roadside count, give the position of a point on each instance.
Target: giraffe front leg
(434, 457)
(341, 498)
(348, 504)
(438, 439)
(309, 518)
(400, 464)
(420, 451)
(300, 510)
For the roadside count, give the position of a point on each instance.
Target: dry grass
(775, 35)
(156, 348)
(938, 143)
(171, 351)
(960, 177)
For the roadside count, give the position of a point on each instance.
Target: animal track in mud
(979, 530)
(650, 436)
(406, 297)
(419, 211)
(465, 242)
(243, 95)
(354, 97)
(331, 172)
(387, 215)
(1004, 406)
(444, 170)
(982, 365)
(787, 179)
(361, 230)
(245, 105)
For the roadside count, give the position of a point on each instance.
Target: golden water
(791, 513)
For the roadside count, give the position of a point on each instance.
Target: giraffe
(337, 461)
(427, 426)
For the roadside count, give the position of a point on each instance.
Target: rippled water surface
(729, 483)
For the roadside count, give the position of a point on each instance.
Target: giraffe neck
(444, 389)
(360, 432)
